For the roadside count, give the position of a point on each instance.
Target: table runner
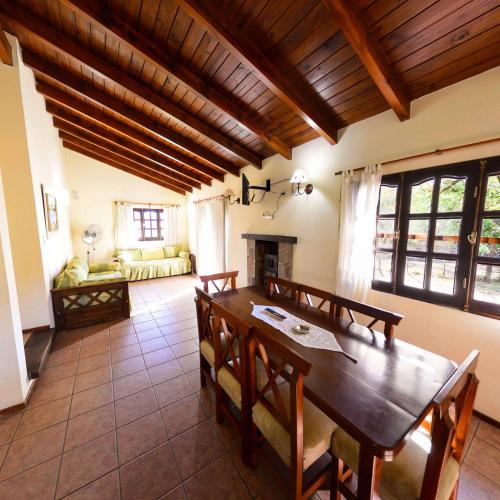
(317, 337)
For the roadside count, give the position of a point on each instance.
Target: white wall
(94, 186)
(463, 113)
(30, 152)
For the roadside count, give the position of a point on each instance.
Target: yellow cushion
(208, 351)
(318, 429)
(401, 478)
(171, 251)
(152, 254)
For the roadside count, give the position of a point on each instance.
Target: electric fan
(90, 237)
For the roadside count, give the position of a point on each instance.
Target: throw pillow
(152, 254)
(170, 252)
(184, 255)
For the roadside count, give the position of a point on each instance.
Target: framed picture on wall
(50, 210)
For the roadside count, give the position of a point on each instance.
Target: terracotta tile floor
(118, 413)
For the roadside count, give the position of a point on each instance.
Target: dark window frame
(467, 255)
(158, 227)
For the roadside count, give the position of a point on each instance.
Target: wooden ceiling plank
(101, 98)
(100, 142)
(250, 54)
(5, 49)
(104, 159)
(137, 42)
(74, 127)
(372, 56)
(36, 27)
(70, 109)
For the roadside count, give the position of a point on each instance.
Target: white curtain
(210, 231)
(171, 229)
(125, 235)
(358, 214)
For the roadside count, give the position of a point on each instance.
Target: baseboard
(488, 420)
(37, 329)
(20, 406)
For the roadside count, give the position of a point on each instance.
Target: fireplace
(268, 255)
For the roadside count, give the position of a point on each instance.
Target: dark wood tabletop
(379, 399)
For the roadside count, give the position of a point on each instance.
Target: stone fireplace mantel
(258, 245)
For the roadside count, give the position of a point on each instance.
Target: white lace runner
(317, 337)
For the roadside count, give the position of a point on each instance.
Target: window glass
(415, 272)
(489, 243)
(492, 198)
(383, 266)
(443, 276)
(446, 235)
(421, 197)
(418, 234)
(388, 198)
(451, 194)
(385, 233)
(487, 283)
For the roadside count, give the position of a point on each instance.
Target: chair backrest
(278, 361)
(325, 300)
(234, 332)
(280, 286)
(204, 315)
(452, 414)
(227, 278)
(389, 318)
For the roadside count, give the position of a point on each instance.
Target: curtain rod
(430, 153)
(218, 197)
(147, 204)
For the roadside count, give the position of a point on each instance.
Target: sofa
(84, 295)
(145, 263)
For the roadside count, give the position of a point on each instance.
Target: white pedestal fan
(90, 237)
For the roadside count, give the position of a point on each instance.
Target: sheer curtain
(358, 215)
(125, 236)
(210, 234)
(171, 229)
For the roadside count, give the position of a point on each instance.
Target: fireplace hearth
(268, 255)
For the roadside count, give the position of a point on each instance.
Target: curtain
(210, 231)
(358, 215)
(171, 229)
(125, 236)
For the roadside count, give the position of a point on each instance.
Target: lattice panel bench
(75, 307)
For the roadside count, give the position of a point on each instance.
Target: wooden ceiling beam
(104, 140)
(59, 41)
(5, 49)
(56, 74)
(137, 42)
(60, 116)
(81, 138)
(212, 19)
(65, 106)
(370, 52)
(120, 166)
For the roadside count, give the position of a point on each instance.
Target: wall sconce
(228, 194)
(299, 177)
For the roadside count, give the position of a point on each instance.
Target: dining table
(379, 398)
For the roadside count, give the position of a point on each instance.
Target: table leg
(369, 473)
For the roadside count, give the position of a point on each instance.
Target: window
(148, 224)
(438, 235)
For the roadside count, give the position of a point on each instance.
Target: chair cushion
(208, 351)
(170, 251)
(152, 253)
(102, 267)
(318, 428)
(77, 263)
(401, 478)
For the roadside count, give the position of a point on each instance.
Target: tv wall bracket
(265, 188)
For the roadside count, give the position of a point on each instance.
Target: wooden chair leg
(295, 482)
(337, 473)
(203, 370)
(219, 412)
(453, 495)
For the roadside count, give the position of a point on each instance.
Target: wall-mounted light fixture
(299, 177)
(228, 194)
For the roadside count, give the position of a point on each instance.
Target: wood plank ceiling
(181, 92)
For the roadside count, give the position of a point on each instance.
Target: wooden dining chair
(219, 281)
(231, 372)
(204, 316)
(388, 318)
(319, 299)
(282, 287)
(423, 469)
(296, 429)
